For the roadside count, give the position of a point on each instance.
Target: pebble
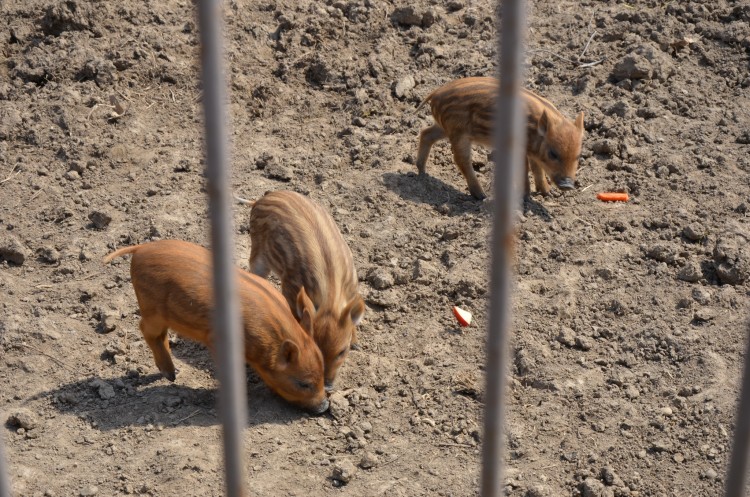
(22, 418)
(424, 272)
(343, 472)
(12, 250)
(611, 478)
(584, 343)
(701, 295)
(404, 86)
(592, 487)
(678, 458)
(666, 411)
(72, 175)
(100, 219)
(89, 491)
(108, 321)
(339, 406)
(368, 461)
(690, 272)
(693, 232)
(48, 254)
(704, 315)
(710, 474)
(278, 172)
(104, 389)
(380, 279)
(566, 337)
(406, 16)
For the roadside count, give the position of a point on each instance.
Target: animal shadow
(140, 400)
(430, 190)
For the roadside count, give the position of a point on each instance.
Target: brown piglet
(298, 240)
(172, 280)
(463, 110)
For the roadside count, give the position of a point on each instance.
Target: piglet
(463, 110)
(298, 240)
(172, 280)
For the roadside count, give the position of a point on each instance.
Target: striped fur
(172, 282)
(298, 240)
(463, 109)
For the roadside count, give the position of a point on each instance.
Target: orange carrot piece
(612, 197)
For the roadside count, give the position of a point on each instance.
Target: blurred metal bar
(4, 478)
(737, 475)
(226, 319)
(510, 151)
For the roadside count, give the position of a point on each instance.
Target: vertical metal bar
(226, 319)
(4, 478)
(510, 147)
(737, 475)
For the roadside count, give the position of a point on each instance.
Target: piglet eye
(304, 385)
(553, 155)
(342, 353)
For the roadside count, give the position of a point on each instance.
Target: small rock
(584, 343)
(100, 219)
(591, 487)
(365, 426)
(108, 321)
(690, 272)
(89, 491)
(278, 172)
(343, 472)
(660, 446)
(710, 474)
(72, 175)
(403, 86)
(424, 272)
(632, 67)
(693, 232)
(48, 254)
(406, 16)
(732, 259)
(566, 337)
(22, 418)
(610, 478)
(666, 411)
(104, 389)
(678, 458)
(603, 147)
(339, 406)
(704, 315)
(631, 392)
(368, 461)
(12, 250)
(538, 490)
(380, 279)
(701, 295)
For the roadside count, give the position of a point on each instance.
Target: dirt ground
(629, 318)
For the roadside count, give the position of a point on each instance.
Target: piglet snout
(565, 183)
(321, 408)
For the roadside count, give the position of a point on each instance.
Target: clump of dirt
(629, 318)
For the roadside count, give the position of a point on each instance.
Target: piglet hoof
(171, 376)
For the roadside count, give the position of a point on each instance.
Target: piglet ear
(543, 125)
(354, 310)
(579, 121)
(288, 354)
(305, 311)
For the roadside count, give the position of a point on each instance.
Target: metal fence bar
(510, 147)
(226, 319)
(737, 475)
(4, 478)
